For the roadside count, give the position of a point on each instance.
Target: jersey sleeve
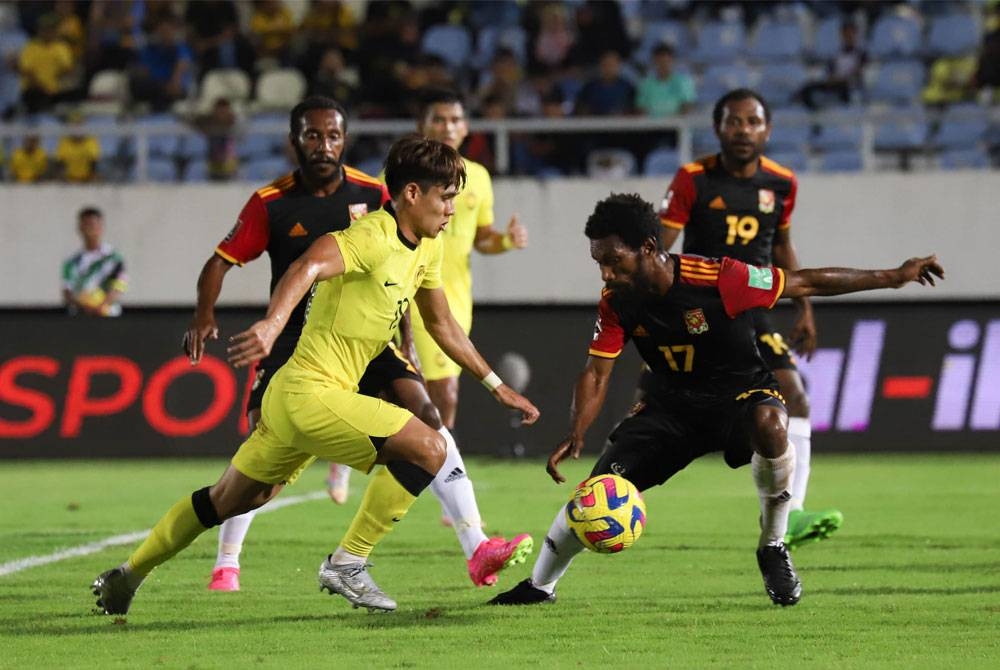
(609, 336)
(363, 247)
(486, 209)
(249, 237)
(675, 210)
(744, 287)
(432, 277)
(788, 205)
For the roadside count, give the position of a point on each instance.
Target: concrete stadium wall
(167, 232)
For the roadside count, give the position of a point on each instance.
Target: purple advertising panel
(901, 376)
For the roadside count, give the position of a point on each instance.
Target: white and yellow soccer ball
(606, 513)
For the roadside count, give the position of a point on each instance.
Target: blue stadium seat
(838, 133)
(193, 146)
(964, 159)
(776, 41)
(674, 33)
(196, 171)
(721, 78)
(370, 166)
(662, 162)
(264, 170)
(791, 130)
(779, 82)
(841, 161)
(704, 141)
(900, 134)
(898, 82)
(163, 146)
(492, 38)
(895, 36)
(826, 39)
(258, 145)
(794, 160)
(452, 43)
(161, 169)
(953, 35)
(958, 133)
(719, 42)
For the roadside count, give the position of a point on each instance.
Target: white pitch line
(128, 538)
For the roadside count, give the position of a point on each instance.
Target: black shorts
(773, 349)
(660, 437)
(384, 369)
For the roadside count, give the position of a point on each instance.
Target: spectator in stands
(480, 145)
(327, 24)
(216, 38)
(93, 279)
(546, 154)
(165, 71)
(113, 34)
(271, 29)
(220, 127)
(609, 93)
(390, 44)
(665, 92)
(69, 27)
(553, 39)
(843, 81)
(46, 66)
(599, 28)
(988, 67)
(77, 153)
(501, 83)
(29, 163)
(333, 80)
(951, 79)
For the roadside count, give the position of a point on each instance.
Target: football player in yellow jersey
(362, 280)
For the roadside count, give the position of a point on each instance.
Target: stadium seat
(107, 94)
(826, 39)
(779, 82)
(721, 78)
(959, 133)
(229, 83)
(898, 82)
(964, 159)
(791, 130)
(492, 38)
(674, 33)
(662, 162)
(264, 170)
(370, 166)
(610, 164)
(704, 141)
(193, 146)
(953, 35)
(895, 36)
(776, 41)
(282, 88)
(452, 43)
(161, 169)
(902, 133)
(793, 160)
(840, 161)
(258, 145)
(196, 171)
(838, 134)
(719, 42)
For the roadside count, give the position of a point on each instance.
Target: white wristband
(492, 381)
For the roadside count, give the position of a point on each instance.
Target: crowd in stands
(221, 66)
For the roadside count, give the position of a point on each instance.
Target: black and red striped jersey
(284, 218)
(698, 336)
(722, 215)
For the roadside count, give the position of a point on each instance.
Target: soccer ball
(606, 513)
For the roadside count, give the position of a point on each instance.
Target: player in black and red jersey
(739, 203)
(710, 390)
(284, 218)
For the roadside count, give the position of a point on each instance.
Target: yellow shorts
(331, 423)
(434, 363)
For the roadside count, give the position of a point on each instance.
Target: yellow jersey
(80, 156)
(351, 318)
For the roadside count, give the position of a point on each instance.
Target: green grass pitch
(911, 581)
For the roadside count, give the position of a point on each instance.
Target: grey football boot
(354, 583)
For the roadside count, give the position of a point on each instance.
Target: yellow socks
(385, 503)
(176, 530)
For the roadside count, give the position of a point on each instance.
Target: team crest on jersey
(640, 331)
(357, 210)
(420, 275)
(695, 321)
(765, 200)
(470, 199)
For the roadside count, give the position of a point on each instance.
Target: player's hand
(511, 399)
(252, 344)
(920, 270)
(517, 233)
(571, 446)
(202, 328)
(803, 335)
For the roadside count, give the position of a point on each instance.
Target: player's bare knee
(768, 431)
(435, 450)
(793, 392)
(430, 415)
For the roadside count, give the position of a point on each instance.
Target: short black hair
(735, 95)
(89, 210)
(428, 97)
(426, 162)
(626, 215)
(663, 48)
(309, 104)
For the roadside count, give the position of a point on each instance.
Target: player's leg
(647, 448)
(338, 483)
(773, 467)
(444, 395)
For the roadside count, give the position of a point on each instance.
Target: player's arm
(837, 281)
(669, 236)
(491, 241)
(203, 326)
(450, 336)
(803, 334)
(321, 261)
(588, 398)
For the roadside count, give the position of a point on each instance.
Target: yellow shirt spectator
(272, 25)
(79, 156)
(44, 64)
(28, 166)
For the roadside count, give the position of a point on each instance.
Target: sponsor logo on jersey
(298, 230)
(597, 329)
(717, 203)
(695, 321)
(640, 331)
(765, 200)
(357, 209)
(760, 277)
